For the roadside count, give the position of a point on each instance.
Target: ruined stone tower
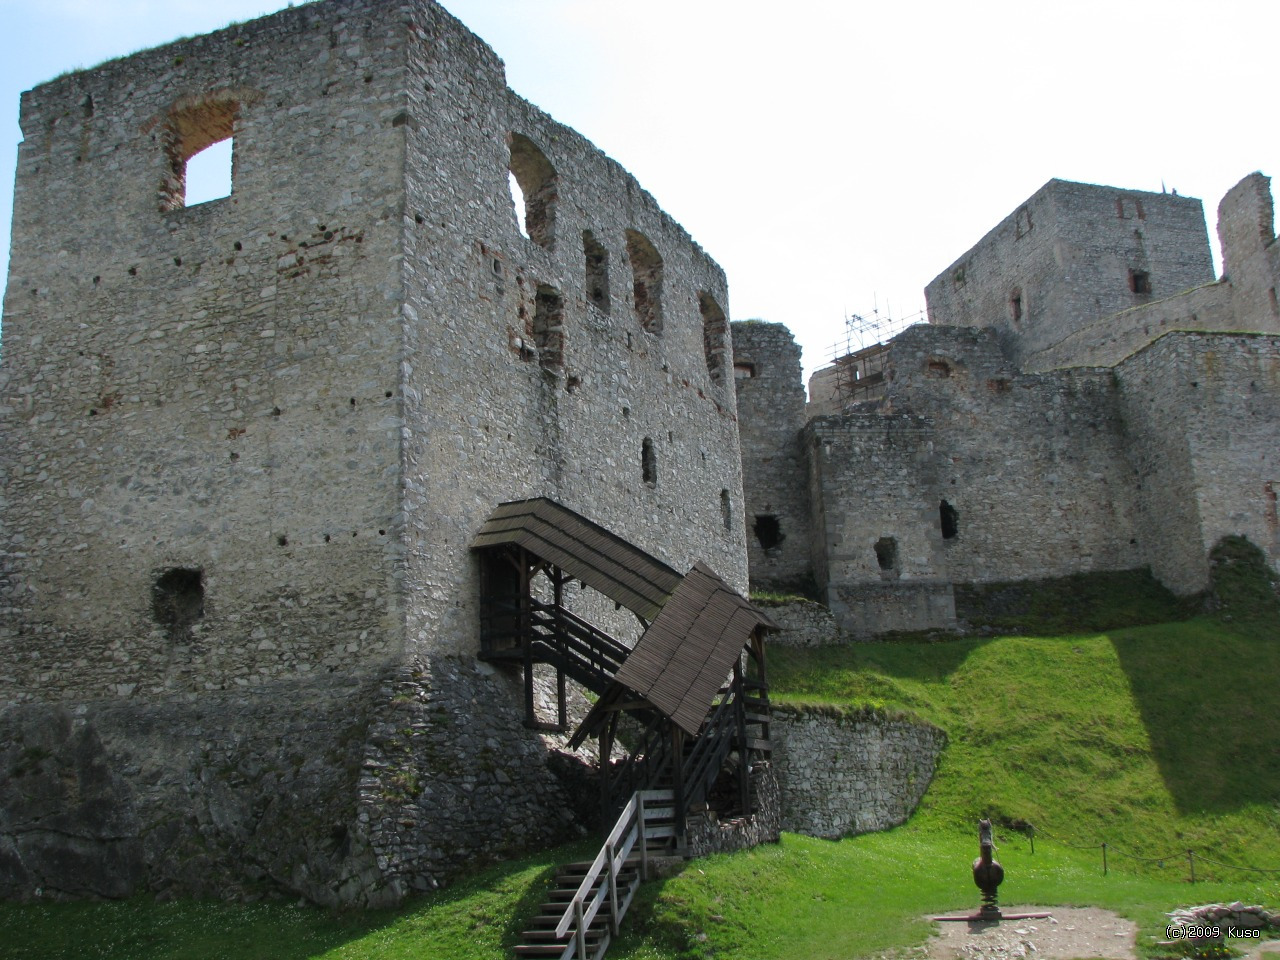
(247, 444)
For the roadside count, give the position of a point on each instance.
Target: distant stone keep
(247, 445)
(1086, 397)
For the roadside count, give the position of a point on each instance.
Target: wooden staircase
(587, 901)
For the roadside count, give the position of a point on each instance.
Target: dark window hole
(177, 601)
(768, 531)
(648, 462)
(887, 553)
(950, 520)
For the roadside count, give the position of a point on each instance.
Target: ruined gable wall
(215, 387)
(1204, 414)
(771, 407)
(1251, 256)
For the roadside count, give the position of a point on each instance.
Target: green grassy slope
(1153, 739)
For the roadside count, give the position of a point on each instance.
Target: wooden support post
(581, 935)
(526, 637)
(677, 781)
(613, 889)
(558, 581)
(744, 755)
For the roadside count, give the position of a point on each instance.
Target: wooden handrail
(632, 827)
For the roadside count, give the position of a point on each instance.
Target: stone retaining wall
(850, 772)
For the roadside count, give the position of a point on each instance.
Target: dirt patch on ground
(1068, 933)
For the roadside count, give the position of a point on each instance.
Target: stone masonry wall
(1204, 409)
(844, 773)
(967, 472)
(771, 407)
(212, 388)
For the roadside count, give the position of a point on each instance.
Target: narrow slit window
(648, 462)
(950, 520)
(726, 509)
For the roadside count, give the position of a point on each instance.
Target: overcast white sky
(830, 155)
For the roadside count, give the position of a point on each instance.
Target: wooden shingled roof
(685, 656)
(586, 551)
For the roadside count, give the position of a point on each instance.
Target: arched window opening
(597, 261)
(714, 330)
(548, 326)
(533, 190)
(199, 141)
(646, 277)
(648, 462)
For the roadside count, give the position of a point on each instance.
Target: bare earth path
(1068, 934)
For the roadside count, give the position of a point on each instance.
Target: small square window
(1140, 282)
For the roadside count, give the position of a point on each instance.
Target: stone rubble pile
(1224, 916)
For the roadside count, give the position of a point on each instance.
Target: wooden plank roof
(681, 661)
(586, 551)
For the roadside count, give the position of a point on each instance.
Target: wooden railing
(608, 884)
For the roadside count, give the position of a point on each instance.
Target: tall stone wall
(771, 408)
(212, 388)
(248, 443)
(968, 472)
(1032, 466)
(1203, 413)
(1069, 256)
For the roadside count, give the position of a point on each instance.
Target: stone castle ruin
(249, 446)
(353, 531)
(1086, 397)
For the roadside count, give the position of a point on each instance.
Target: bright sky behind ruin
(831, 156)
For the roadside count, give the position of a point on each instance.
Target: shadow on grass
(1207, 695)
(1206, 688)
(481, 916)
